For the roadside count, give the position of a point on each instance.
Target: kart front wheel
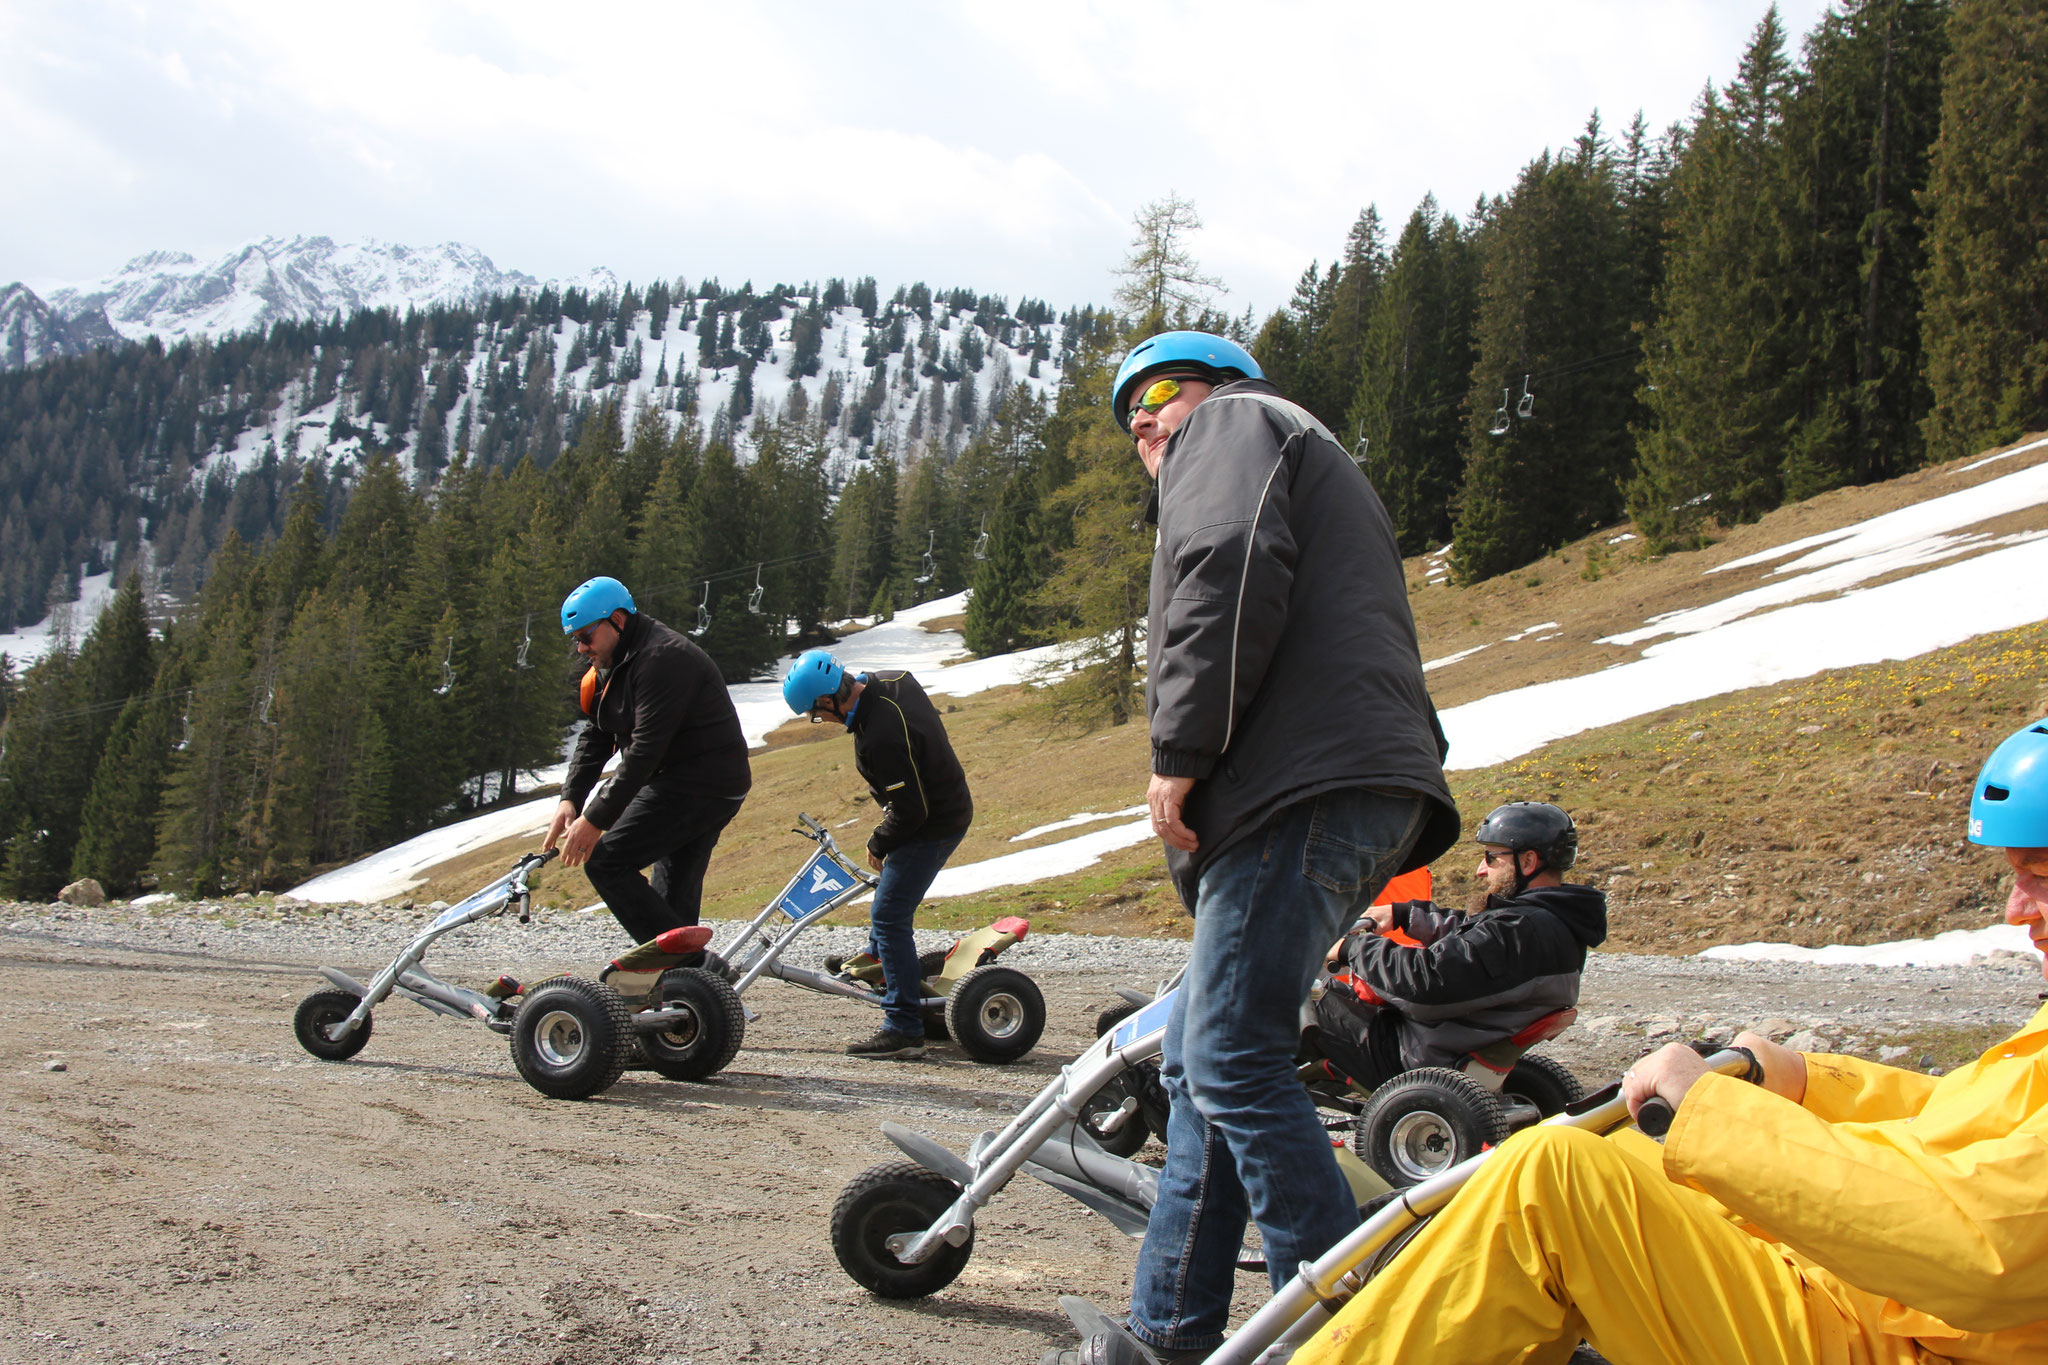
(708, 1036)
(996, 1014)
(316, 1013)
(1423, 1122)
(571, 1038)
(1113, 1016)
(896, 1196)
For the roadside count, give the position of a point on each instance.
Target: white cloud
(963, 142)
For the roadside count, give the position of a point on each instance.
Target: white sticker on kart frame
(820, 882)
(1147, 1020)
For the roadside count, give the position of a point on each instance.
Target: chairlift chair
(931, 565)
(1364, 444)
(1500, 417)
(1527, 407)
(981, 541)
(525, 644)
(754, 597)
(704, 611)
(447, 670)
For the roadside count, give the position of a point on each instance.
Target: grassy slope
(1827, 810)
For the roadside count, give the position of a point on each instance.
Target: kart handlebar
(1656, 1114)
(815, 829)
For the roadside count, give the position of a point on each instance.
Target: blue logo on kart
(1150, 1019)
(817, 886)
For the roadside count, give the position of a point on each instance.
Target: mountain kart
(905, 1229)
(572, 1037)
(994, 1013)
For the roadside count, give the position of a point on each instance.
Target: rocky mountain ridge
(174, 295)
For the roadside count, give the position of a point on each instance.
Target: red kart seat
(1544, 1029)
(690, 939)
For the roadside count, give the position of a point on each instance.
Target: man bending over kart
(1840, 1212)
(657, 701)
(900, 749)
(1478, 979)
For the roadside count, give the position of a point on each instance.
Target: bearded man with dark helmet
(1479, 978)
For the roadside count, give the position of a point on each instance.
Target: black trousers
(670, 833)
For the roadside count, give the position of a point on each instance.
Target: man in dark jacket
(659, 703)
(1296, 768)
(1478, 979)
(900, 749)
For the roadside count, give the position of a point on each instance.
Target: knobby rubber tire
(995, 1014)
(588, 1038)
(1423, 1122)
(1113, 1016)
(320, 1009)
(704, 1044)
(1543, 1082)
(896, 1196)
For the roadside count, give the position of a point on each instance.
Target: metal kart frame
(404, 978)
(1120, 1190)
(827, 880)
(1321, 1288)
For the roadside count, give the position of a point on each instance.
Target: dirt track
(195, 1188)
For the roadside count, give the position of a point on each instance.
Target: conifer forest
(332, 634)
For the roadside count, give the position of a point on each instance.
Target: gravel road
(192, 1187)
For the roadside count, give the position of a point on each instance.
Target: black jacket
(1480, 978)
(1281, 653)
(901, 750)
(662, 708)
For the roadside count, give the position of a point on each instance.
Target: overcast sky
(998, 146)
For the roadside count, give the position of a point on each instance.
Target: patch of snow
(1952, 949)
(154, 898)
(1036, 864)
(1525, 634)
(1450, 659)
(401, 867)
(2003, 455)
(1907, 525)
(27, 644)
(1898, 620)
(1074, 821)
(1625, 535)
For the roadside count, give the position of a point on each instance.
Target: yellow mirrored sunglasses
(1158, 395)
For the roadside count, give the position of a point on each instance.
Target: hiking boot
(888, 1043)
(1105, 1341)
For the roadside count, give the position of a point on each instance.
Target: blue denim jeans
(1242, 1135)
(906, 875)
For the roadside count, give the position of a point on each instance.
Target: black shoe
(1105, 1341)
(888, 1043)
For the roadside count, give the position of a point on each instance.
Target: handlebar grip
(1655, 1117)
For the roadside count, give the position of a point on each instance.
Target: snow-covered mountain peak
(173, 294)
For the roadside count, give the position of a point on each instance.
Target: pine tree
(1551, 323)
(1415, 366)
(1718, 362)
(1859, 130)
(1985, 323)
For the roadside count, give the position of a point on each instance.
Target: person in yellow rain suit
(1842, 1212)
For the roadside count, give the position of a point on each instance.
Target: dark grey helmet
(1535, 825)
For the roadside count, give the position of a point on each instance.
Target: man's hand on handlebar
(1671, 1071)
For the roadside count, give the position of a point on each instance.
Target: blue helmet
(1204, 354)
(594, 601)
(2009, 804)
(815, 674)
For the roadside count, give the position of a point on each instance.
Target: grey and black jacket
(1478, 979)
(901, 750)
(663, 708)
(1281, 654)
